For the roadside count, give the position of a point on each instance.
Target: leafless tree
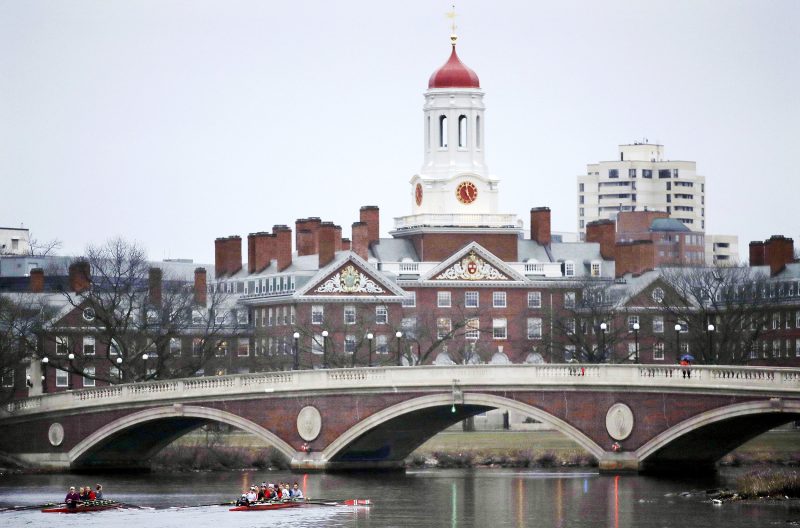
(43, 248)
(136, 319)
(22, 319)
(733, 299)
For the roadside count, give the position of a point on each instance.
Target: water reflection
(428, 498)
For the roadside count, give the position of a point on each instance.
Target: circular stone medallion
(309, 423)
(619, 421)
(55, 434)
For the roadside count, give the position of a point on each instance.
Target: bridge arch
(472, 403)
(705, 438)
(186, 418)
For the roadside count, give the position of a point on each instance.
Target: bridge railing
(702, 379)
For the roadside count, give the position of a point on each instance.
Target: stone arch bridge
(630, 417)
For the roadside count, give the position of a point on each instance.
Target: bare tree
(43, 248)
(730, 298)
(22, 319)
(138, 315)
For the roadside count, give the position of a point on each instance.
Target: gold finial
(452, 16)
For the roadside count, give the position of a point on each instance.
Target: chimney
(154, 276)
(540, 225)
(360, 244)
(233, 254)
(370, 215)
(345, 244)
(200, 286)
(283, 246)
(757, 257)
(36, 284)
(79, 276)
(304, 242)
(313, 226)
(778, 252)
(337, 238)
(259, 251)
(602, 231)
(219, 257)
(635, 257)
(327, 243)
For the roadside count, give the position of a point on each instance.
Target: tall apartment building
(642, 180)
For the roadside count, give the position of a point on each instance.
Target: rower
(252, 496)
(90, 494)
(73, 499)
(99, 493)
(297, 493)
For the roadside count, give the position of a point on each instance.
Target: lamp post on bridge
(711, 353)
(70, 357)
(296, 365)
(324, 349)
(636, 341)
(678, 340)
(398, 335)
(603, 328)
(370, 337)
(145, 357)
(119, 369)
(45, 361)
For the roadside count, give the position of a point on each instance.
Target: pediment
(349, 277)
(473, 263)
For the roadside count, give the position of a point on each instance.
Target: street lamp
(370, 337)
(324, 349)
(603, 328)
(636, 341)
(145, 357)
(296, 365)
(711, 342)
(70, 357)
(45, 361)
(678, 339)
(398, 335)
(119, 368)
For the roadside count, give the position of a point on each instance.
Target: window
(797, 347)
(381, 315)
(631, 173)
(409, 326)
(569, 326)
(534, 328)
(658, 295)
(88, 314)
(462, 131)
(381, 344)
(471, 299)
(88, 378)
(580, 187)
(499, 328)
(478, 132)
(349, 314)
(269, 317)
(197, 347)
(613, 173)
(175, 346)
(88, 345)
(241, 317)
(581, 201)
(318, 344)
(317, 314)
(62, 378)
(349, 344)
(410, 301)
(595, 269)
(569, 269)
(222, 349)
(632, 320)
(197, 317)
(7, 378)
(499, 299)
(797, 319)
(776, 321)
(569, 353)
(658, 352)
(243, 350)
(569, 299)
(443, 299)
(534, 299)
(473, 329)
(442, 131)
(62, 346)
(664, 173)
(443, 327)
(270, 346)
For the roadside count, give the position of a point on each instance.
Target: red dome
(454, 74)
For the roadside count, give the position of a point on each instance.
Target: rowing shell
(267, 506)
(85, 507)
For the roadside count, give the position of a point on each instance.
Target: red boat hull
(80, 508)
(267, 506)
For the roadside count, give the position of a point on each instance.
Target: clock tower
(454, 191)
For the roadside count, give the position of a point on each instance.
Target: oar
(340, 502)
(32, 507)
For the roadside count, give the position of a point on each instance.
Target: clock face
(418, 194)
(466, 192)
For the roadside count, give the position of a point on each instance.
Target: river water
(418, 498)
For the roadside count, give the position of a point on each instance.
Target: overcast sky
(174, 122)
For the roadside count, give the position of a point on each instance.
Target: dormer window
(569, 268)
(595, 268)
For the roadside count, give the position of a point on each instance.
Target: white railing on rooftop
(457, 220)
(772, 382)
